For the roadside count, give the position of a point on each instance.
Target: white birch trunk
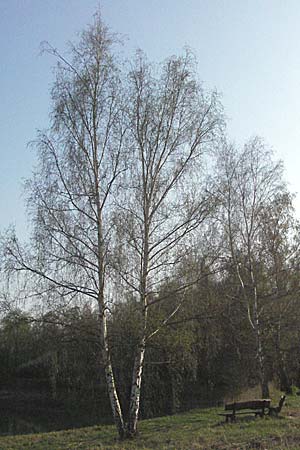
(110, 380)
(134, 406)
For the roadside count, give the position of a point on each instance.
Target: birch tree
(172, 123)
(70, 193)
(250, 181)
(115, 197)
(280, 253)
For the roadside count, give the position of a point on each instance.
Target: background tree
(280, 252)
(251, 181)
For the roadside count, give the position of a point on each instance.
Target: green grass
(194, 430)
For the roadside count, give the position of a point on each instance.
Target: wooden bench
(256, 407)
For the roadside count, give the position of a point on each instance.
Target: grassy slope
(197, 429)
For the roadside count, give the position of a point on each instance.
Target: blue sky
(247, 49)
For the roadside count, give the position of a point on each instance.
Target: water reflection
(33, 411)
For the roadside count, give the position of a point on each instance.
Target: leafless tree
(117, 191)
(173, 122)
(250, 181)
(70, 194)
(280, 254)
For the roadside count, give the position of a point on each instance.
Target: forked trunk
(134, 406)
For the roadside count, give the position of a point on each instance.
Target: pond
(27, 410)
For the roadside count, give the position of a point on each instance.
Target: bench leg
(231, 418)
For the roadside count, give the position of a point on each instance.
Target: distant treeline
(205, 354)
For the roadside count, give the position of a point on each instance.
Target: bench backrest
(250, 404)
